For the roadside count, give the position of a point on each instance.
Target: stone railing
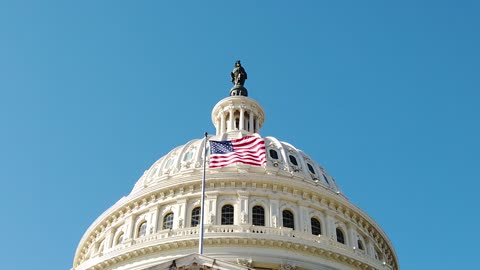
(214, 231)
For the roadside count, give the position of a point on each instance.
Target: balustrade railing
(266, 232)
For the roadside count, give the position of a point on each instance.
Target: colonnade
(243, 203)
(237, 113)
(237, 119)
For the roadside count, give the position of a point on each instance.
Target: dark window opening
(273, 154)
(168, 221)
(195, 216)
(227, 215)
(293, 160)
(258, 216)
(142, 229)
(288, 220)
(310, 168)
(316, 227)
(360, 245)
(340, 236)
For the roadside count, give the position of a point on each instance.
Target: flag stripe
(233, 155)
(260, 159)
(253, 159)
(247, 150)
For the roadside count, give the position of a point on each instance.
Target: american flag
(247, 150)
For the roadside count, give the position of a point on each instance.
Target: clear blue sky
(384, 94)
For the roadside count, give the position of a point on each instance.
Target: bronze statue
(238, 74)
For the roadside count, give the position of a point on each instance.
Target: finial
(239, 75)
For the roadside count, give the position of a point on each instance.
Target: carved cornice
(323, 248)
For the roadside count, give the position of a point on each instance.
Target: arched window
(195, 216)
(310, 168)
(288, 220)
(258, 216)
(168, 221)
(227, 215)
(188, 156)
(119, 239)
(316, 227)
(142, 229)
(360, 244)
(293, 160)
(340, 236)
(169, 163)
(273, 154)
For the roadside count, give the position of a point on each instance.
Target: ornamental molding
(274, 145)
(321, 247)
(321, 201)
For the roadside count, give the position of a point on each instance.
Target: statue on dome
(238, 74)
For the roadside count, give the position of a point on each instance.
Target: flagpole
(202, 208)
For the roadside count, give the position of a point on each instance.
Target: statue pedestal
(239, 90)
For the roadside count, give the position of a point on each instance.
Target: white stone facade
(158, 222)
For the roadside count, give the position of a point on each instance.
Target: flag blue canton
(224, 147)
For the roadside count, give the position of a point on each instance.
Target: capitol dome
(287, 213)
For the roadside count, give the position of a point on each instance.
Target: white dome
(286, 214)
(188, 159)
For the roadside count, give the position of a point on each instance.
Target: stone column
(370, 249)
(108, 239)
(153, 222)
(211, 209)
(242, 120)
(352, 237)
(222, 123)
(129, 224)
(303, 218)
(257, 125)
(330, 227)
(181, 208)
(274, 213)
(243, 207)
(231, 121)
